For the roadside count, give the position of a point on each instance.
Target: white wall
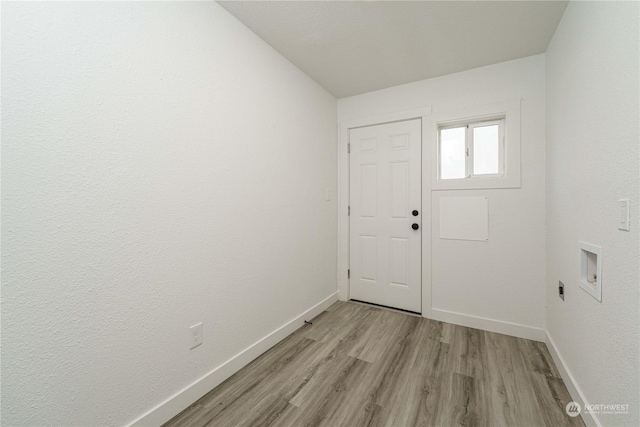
(161, 166)
(592, 78)
(501, 280)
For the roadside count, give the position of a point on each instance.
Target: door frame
(343, 197)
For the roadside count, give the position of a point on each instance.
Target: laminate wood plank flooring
(360, 365)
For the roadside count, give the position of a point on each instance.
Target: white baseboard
(184, 398)
(491, 325)
(576, 394)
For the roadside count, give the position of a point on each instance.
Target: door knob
(415, 226)
(414, 213)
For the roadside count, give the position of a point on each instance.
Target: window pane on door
(452, 153)
(486, 150)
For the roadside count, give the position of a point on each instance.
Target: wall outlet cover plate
(195, 335)
(623, 207)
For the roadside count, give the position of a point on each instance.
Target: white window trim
(510, 178)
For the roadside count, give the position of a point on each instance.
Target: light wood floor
(359, 365)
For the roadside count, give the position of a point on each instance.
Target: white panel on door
(368, 144)
(368, 191)
(399, 250)
(399, 142)
(399, 189)
(369, 257)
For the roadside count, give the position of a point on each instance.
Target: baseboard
(491, 325)
(184, 398)
(576, 394)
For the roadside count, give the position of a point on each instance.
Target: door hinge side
(348, 210)
(348, 274)
(349, 148)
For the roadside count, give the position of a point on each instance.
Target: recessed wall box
(591, 269)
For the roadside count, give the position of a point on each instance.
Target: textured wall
(161, 166)
(503, 278)
(593, 144)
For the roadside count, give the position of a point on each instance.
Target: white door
(385, 214)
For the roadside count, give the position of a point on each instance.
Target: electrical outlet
(561, 290)
(195, 336)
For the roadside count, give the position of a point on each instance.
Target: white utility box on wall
(464, 218)
(591, 269)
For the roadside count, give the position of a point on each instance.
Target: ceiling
(353, 47)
